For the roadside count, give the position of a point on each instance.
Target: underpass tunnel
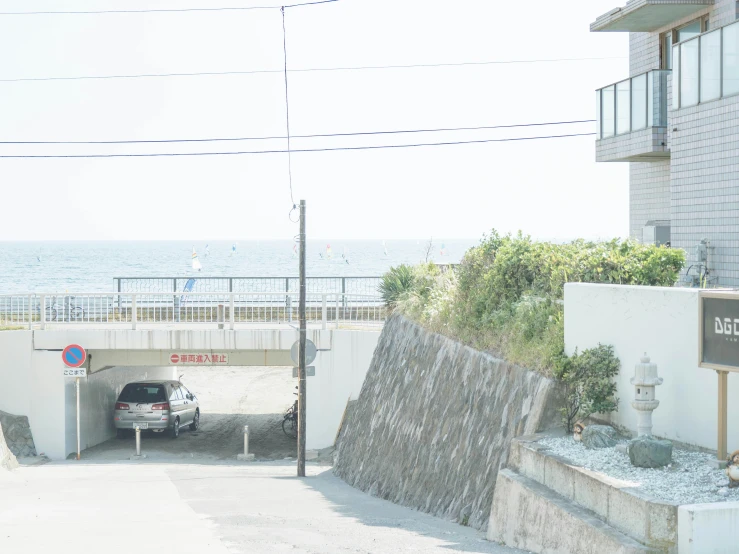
(227, 397)
(250, 383)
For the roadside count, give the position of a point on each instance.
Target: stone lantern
(644, 381)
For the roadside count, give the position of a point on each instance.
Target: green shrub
(506, 295)
(588, 384)
(396, 283)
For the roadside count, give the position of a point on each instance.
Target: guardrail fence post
(30, 311)
(42, 309)
(337, 310)
(119, 297)
(220, 316)
(134, 315)
(324, 311)
(231, 306)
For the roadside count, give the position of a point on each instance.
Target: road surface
(216, 508)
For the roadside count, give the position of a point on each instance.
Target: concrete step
(620, 504)
(532, 517)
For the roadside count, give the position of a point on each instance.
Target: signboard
(74, 355)
(310, 351)
(310, 371)
(75, 372)
(719, 331)
(198, 358)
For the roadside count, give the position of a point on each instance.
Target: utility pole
(301, 351)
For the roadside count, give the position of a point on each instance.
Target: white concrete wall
(340, 373)
(32, 385)
(708, 528)
(17, 350)
(664, 323)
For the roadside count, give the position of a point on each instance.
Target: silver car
(156, 405)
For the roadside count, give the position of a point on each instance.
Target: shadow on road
(377, 512)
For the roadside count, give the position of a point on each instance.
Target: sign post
(718, 349)
(73, 357)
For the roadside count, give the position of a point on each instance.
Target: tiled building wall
(704, 187)
(723, 13)
(649, 194)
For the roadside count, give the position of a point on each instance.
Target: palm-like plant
(395, 283)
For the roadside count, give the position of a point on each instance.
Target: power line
(343, 148)
(288, 137)
(299, 70)
(243, 8)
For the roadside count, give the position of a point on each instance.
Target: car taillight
(164, 406)
(121, 406)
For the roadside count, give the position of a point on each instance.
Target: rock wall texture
(434, 421)
(18, 434)
(7, 459)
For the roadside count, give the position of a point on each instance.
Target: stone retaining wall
(18, 434)
(434, 422)
(7, 459)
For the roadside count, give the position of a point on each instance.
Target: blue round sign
(74, 355)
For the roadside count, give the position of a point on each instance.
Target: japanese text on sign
(198, 359)
(75, 372)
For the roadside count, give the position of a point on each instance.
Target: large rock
(650, 452)
(599, 436)
(7, 459)
(434, 422)
(18, 434)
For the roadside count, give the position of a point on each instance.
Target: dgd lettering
(727, 326)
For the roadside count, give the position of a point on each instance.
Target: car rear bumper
(150, 424)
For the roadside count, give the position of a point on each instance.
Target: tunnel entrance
(228, 398)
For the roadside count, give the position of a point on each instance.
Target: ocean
(77, 267)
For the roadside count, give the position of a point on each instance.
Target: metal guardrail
(191, 308)
(318, 285)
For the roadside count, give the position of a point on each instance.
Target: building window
(680, 34)
(692, 29)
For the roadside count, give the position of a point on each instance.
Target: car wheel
(176, 428)
(195, 422)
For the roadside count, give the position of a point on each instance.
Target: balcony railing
(632, 105)
(706, 67)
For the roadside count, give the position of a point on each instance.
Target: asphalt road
(218, 508)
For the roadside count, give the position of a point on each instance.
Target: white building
(675, 120)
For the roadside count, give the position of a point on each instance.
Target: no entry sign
(198, 358)
(74, 355)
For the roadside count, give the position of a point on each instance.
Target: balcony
(632, 119)
(706, 67)
(639, 16)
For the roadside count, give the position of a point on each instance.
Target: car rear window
(143, 393)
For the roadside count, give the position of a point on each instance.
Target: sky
(549, 189)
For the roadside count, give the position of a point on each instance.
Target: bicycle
(290, 420)
(69, 311)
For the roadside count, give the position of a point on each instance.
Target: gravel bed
(688, 480)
